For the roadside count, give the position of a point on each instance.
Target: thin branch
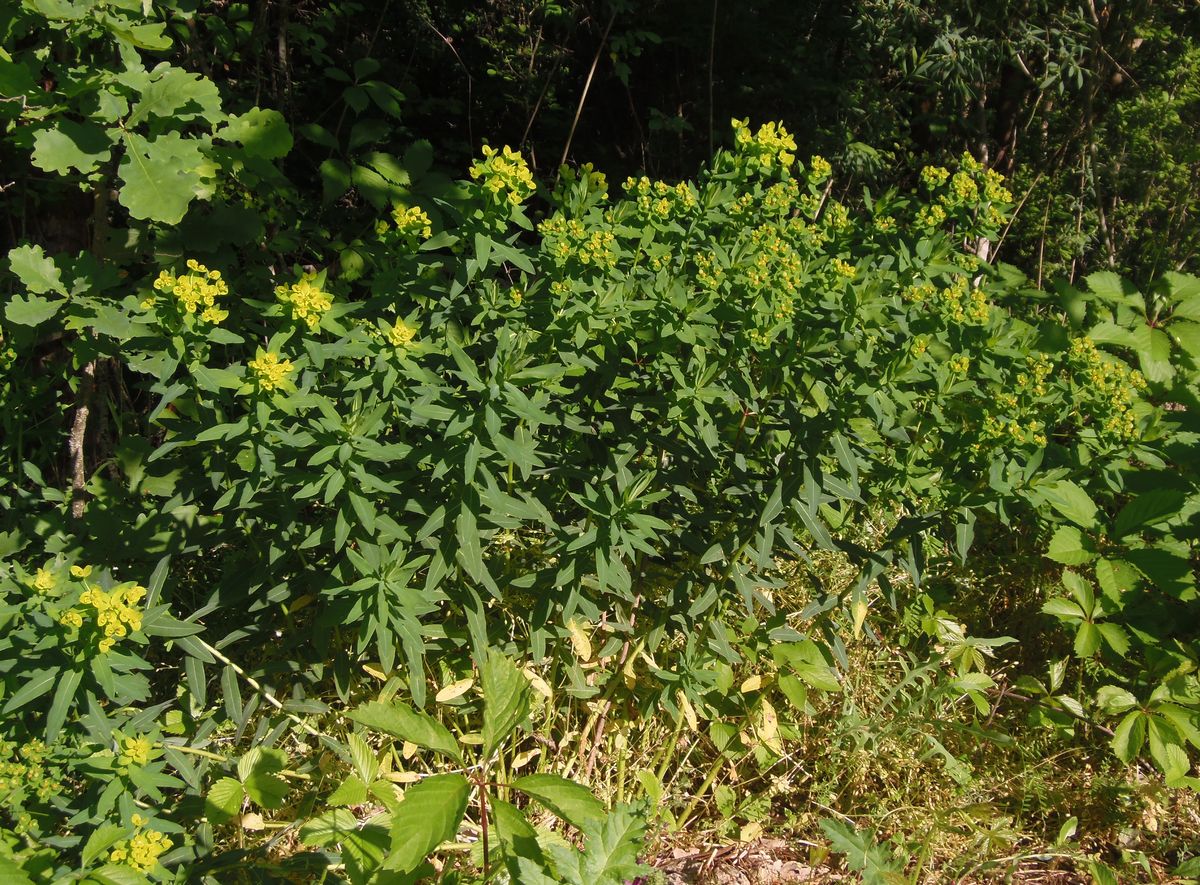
(586, 86)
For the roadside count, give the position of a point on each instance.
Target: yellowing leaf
(859, 609)
(523, 759)
(754, 683)
(403, 777)
(689, 712)
(768, 730)
(408, 750)
(454, 690)
(538, 684)
(374, 670)
(580, 641)
(252, 821)
(750, 831)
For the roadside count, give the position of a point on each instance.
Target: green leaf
(1129, 736)
(351, 791)
(1087, 639)
(517, 837)
(1115, 637)
(178, 94)
(329, 828)
(262, 133)
(429, 815)
(31, 310)
(36, 271)
(257, 769)
(161, 177)
(407, 724)
(506, 699)
(36, 684)
(1113, 700)
(611, 850)
(1070, 546)
(102, 838)
(224, 800)
(1072, 502)
(573, 802)
(1147, 509)
(862, 853)
(1060, 607)
(1110, 288)
(64, 697)
(71, 145)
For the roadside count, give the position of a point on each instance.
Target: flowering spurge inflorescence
(401, 334)
(269, 371)
(143, 850)
(115, 612)
(23, 772)
(309, 302)
(196, 291)
(413, 222)
(1111, 387)
(568, 240)
(504, 173)
(771, 147)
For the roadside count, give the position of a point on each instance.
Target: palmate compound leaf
(160, 177)
(428, 816)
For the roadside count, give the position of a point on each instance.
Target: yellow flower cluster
(709, 274)
(505, 173)
(836, 216)
(993, 188)
(1001, 429)
(818, 168)
(44, 581)
(918, 345)
(142, 851)
(1035, 380)
(116, 611)
(660, 199)
(771, 145)
(134, 751)
(931, 216)
(401, 334)
(413, 222)
(309, 301)
(775, 268)
(270, 371)
(23, 768)
(964, 187)
(567, 239)
(934, 176)
(843, 269)
(781, 197)
(595, 182)
(960, 364)
(197, 290)
(885, 224)
(1112, 388)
